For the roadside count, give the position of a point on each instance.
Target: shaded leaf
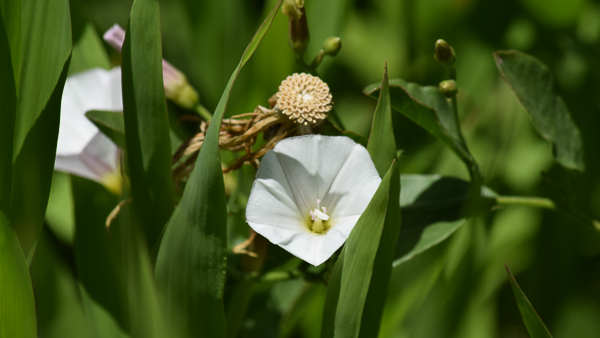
(17, 307)
(110, 123)
(359, 261)
(88, 52)
(46, 51)
(8, 97)
(332, 298)
(427, 107)
(190, 268)
(12, 17)
(330, 129)
(532, 82)
(433, 208)
(533, 322)
(146, 121)
(98, 253)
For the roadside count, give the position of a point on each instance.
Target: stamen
(321, 215)
(324, 209)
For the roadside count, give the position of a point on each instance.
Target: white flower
(309, 193)
(82, 149)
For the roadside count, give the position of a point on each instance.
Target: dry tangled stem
(238, 133)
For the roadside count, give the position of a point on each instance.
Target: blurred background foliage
(460, 287)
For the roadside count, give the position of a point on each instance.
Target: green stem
(545, 203)
(537, 202)
(203, 112)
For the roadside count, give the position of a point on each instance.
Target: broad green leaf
(46, 51)
(110, 124)
(533, 322)
(17, 306)
(532, 82)
(146, 121)
(98, 252)
(382, 145)
(11, 17)
(8, 97)
(433, 208)
(191, 263)
(359, 261)
(89, 52)
(427, 107)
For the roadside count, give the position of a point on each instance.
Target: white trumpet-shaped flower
(309, 193)
(82, 149)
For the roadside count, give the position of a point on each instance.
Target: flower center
(306, 96)
(319, 220)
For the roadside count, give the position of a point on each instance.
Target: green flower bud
(332, 45)
(448, 88)
(444, 53)
(291, 10)
(298, 27)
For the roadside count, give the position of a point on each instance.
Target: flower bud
(448, 88)
(444, 53)
(332, 45)
(298, 27)
(177, 87)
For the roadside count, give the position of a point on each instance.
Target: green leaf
(98, 253)
(190, 268)
(146, 121)
(17, 306)
(382, 145)
(427, 107)
(12, 17)
(89, 52)
(533, 322)
(532, 82)
(8, 97)
(433, 208)
(46, 51)
(111, 124)
(359, 262)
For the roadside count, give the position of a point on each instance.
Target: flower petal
(99, 158)
(311, 164)
(354, 186)
(291, 178)
(95, 89)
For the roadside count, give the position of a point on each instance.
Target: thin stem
(203, 112)
(537, 202)
(545, 203)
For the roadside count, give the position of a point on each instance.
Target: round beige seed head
(304, 98)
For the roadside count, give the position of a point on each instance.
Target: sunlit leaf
(427, 107)
(110, 124)
(382, 148)
(190, 268)
(146, 121)
(359, 261)
(17, 307)
(532, 82)
(46, 51)
(533, 322)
